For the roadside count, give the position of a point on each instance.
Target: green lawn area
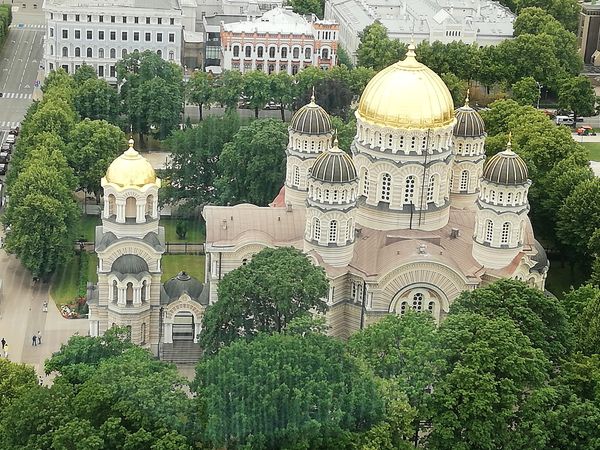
(64, 283)
(88, 227)
(195, 232)
(594, 149)
(560, 279)
(92, 267)
(173, 264)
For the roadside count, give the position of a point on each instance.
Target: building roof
(468, 122)
(103, 4)
(182, 283)
(275, 21)
(129, 264)
(311, 119)
(131, 170)
(506, 168)
(333, 166)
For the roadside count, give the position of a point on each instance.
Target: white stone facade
(99, 34)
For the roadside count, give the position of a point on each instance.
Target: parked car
(6, 148)
(4, 157)
(14, 131)
(272, 105)
(3, 168)
(586, 130)
(11, 139)
(564, 120)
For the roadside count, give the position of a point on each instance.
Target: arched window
(171, 55)
(366, 183)
(296, 181)
(143, 291)
(296, 53)
(390, 141)
(509, 198)
(500, 197)
(518, 198)
(417, 302)
(318, 196)
(403, 308)
(236, 51)
(349, 234)
(112, 205)
(409, 189)
(129, 294)
(100, 53)
(307, 53)
(489, 231)
(431, 188)
(333, 231)
(123, 53)
(130, 212)
(115, 291)
(271, 52)
(430, 307)
(464, 180)
(326, 195)
(284, 52)
(248, 51)
(113, 53)
(77, 52)
(159, 53)
(505, 236)
(259, 52)
(316, 229)
(89, 52)
(493, 196)
(386, 187)
(51, 50)
(65, 51)
(335, 195)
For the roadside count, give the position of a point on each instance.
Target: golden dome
(407, 94)
(131, 169)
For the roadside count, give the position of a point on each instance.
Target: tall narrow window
(333, 231)
(409, 189)
(129, 294)
(366, 183)
(115, 291)
(464, 180)
(505, 236)
(316, 229)
(417, 303)
(386, 187)
(431, 189)
(489, 231)
(236, 51)
(296, 176)
(349, 230)
(143, 291)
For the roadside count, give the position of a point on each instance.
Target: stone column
(137, 296)
(120, 211)
(140, 215)
(197, 328)
(168, 333)
(121, 296)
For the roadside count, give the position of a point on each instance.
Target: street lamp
(540, 86)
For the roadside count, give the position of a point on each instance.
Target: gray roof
(311, 119)
(468, 123)
(129, 264)
(334, 166)
(106, 240)
(506, 168)
(540, 258)
(153, 240)
(184, 283)
(145, 4)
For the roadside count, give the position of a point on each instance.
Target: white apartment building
(101, 32)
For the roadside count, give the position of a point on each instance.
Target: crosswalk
(7, 125)
(36, 26)
(21, 95)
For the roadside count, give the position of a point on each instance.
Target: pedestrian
(6, 350)
(3, 342)
(34, 340)
(39, 338)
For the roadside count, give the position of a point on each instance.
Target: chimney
(288, 207)
(224, 221)
(454, 233)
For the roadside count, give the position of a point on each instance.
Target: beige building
(411, 219)
(588, 33)
(130, 245)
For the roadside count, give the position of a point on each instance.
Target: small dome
(468, 122)
(334, 166)
(129, 264)
(311, 119)
(506, 167)
(183, 283)
(131, 169)
(406, 95)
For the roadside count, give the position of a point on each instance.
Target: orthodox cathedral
(412, 218)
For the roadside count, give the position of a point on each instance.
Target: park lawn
(64, 282)
(173, 264)
(594, 149)
(560, 279)
(93, 267)
(88, 226)
(195, 231)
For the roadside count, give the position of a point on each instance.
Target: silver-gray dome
(333, 166)
(129, 264)
(468, 122)
(311, 119)
(183, 283)
(506, 168)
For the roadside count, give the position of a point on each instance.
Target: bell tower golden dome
(407, 95)
(131, 170)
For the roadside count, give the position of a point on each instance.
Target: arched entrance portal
(183, 327)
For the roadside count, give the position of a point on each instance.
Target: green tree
(359, 78)
(164, 102)
(15, 379)
(251, 166)
(192, 168)
(58, 77)
(490, 372)
(345, 131)
(583, 307)
(303, 7)
(525, 91)
(305, 81)
(282, 91)
(376, 49)
(284, 391)
(343, 57)
(577, 95)
(200, 89)
(93, 145)
(229, 86)
(256, 89)
(97, 100)
(539, 317)
(264, 295)
(457, 87)
(83, 73)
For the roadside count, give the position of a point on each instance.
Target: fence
(174, 248)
